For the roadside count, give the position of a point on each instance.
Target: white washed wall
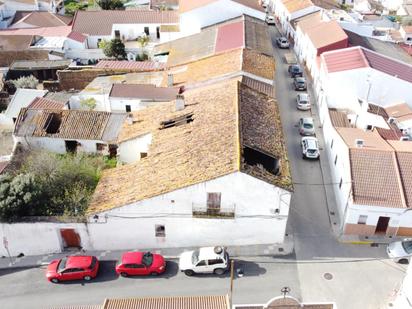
(129, 151)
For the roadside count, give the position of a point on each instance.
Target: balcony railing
(202, 211)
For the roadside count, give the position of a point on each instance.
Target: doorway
(71, 146)
(70, 238)
(382, 225)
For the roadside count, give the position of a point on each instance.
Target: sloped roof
(359, 57)
(40, 19)
(131, 66)
(401, 111)
(22, 98)
(69, 124)
(18, 42)
(201, 150)
(339, 119)
(296, 5)
(101, 22)
(326, 33)
(60, 31)
(144, 92)
(76, 36)
(42, 103)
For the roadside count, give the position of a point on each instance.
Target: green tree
(19, 196)
(114, 48)
(110, 4)
(89, 103)
(143, 40)
(71, 6)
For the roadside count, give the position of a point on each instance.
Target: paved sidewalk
(270, 250)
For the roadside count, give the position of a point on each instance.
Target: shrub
(28, 82)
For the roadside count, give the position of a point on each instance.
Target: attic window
(178, 121)
(53, 123)
(255, 157)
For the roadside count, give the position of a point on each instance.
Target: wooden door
(70, 238)
(382, 225)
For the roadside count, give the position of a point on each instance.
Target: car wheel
(124, 274)
(55, 280)
(87, 278)
(154, 273)
(219, 271)
(403, 261)
(189, 272)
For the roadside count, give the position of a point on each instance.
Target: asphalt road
(354, 272)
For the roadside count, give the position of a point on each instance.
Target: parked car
(204, 260)
(270, 20)
(295, 70)
(310, 147)
(306, 126)
(76, 267)
(400, 251)
(299, 83)
(282, 42)
(303, 101)
(141, 264)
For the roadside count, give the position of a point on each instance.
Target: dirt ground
(6, 141)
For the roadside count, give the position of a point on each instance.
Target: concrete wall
(133, 226)
(119, 104)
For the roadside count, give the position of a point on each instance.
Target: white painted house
(406, 33)
(63, 131)
(286, 11)
(195, 15)
(358, 96)
(197, 173)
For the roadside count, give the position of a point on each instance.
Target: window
(340, 183)
(213, 201)
(100, 146)
(128, 108)
(176, 121)
(369, 127)
(362, 219)
(143, 155)
(201, 263)
(146, 30)
(117, 34)
(254, 157)
(158, 32)
(215, 261)
(336, 159)
(160, 230)
(331, 144)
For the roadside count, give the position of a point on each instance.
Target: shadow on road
(12, 270)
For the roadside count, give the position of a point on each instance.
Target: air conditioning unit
(359, 143)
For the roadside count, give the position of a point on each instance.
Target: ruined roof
(101, 22)
(69, 124)
(43, 103)
(143, 92)
(206, 148)
(39, 64)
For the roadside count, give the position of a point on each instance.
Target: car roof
(312, 141)
(307, 120)
(79, 261)
(303, 96)
(209, 252)
(132, 257)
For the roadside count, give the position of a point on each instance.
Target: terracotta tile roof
(18, 42)
(41, 19)
(401, 112)
(308, 21)
(344, 59)
(326, 33)
(339, 119)
(377, 110)
(375, 178)
(201, 150)
(296, 5)
(405, 170)
(61, 31)
(176, 302)
(372, 139)
(42, 103)
(144, 92)
(76, 36)
(131, 66)
(230, 36)
(101, 22)
(72, 124)
(390, 134)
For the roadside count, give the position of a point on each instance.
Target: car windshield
(147, 259)
(62, 265)
(195, 257)
(312, 151)
(303, 101)
(407, 246)
(308, 125)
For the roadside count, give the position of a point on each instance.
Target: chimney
(129, 119)
(180, 102)
(359, 143)
(170, 81)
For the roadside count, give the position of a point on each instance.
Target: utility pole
(232, 270)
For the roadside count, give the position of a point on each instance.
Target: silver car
(310, 147)
(400, 251)
(282, 42)
(303, 102)
(306, 126)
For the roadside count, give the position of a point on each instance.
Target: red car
(141, 264)
(74, 267)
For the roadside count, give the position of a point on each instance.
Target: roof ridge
(399, 178)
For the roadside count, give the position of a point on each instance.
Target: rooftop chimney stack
(180, 102)
(170, 80)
